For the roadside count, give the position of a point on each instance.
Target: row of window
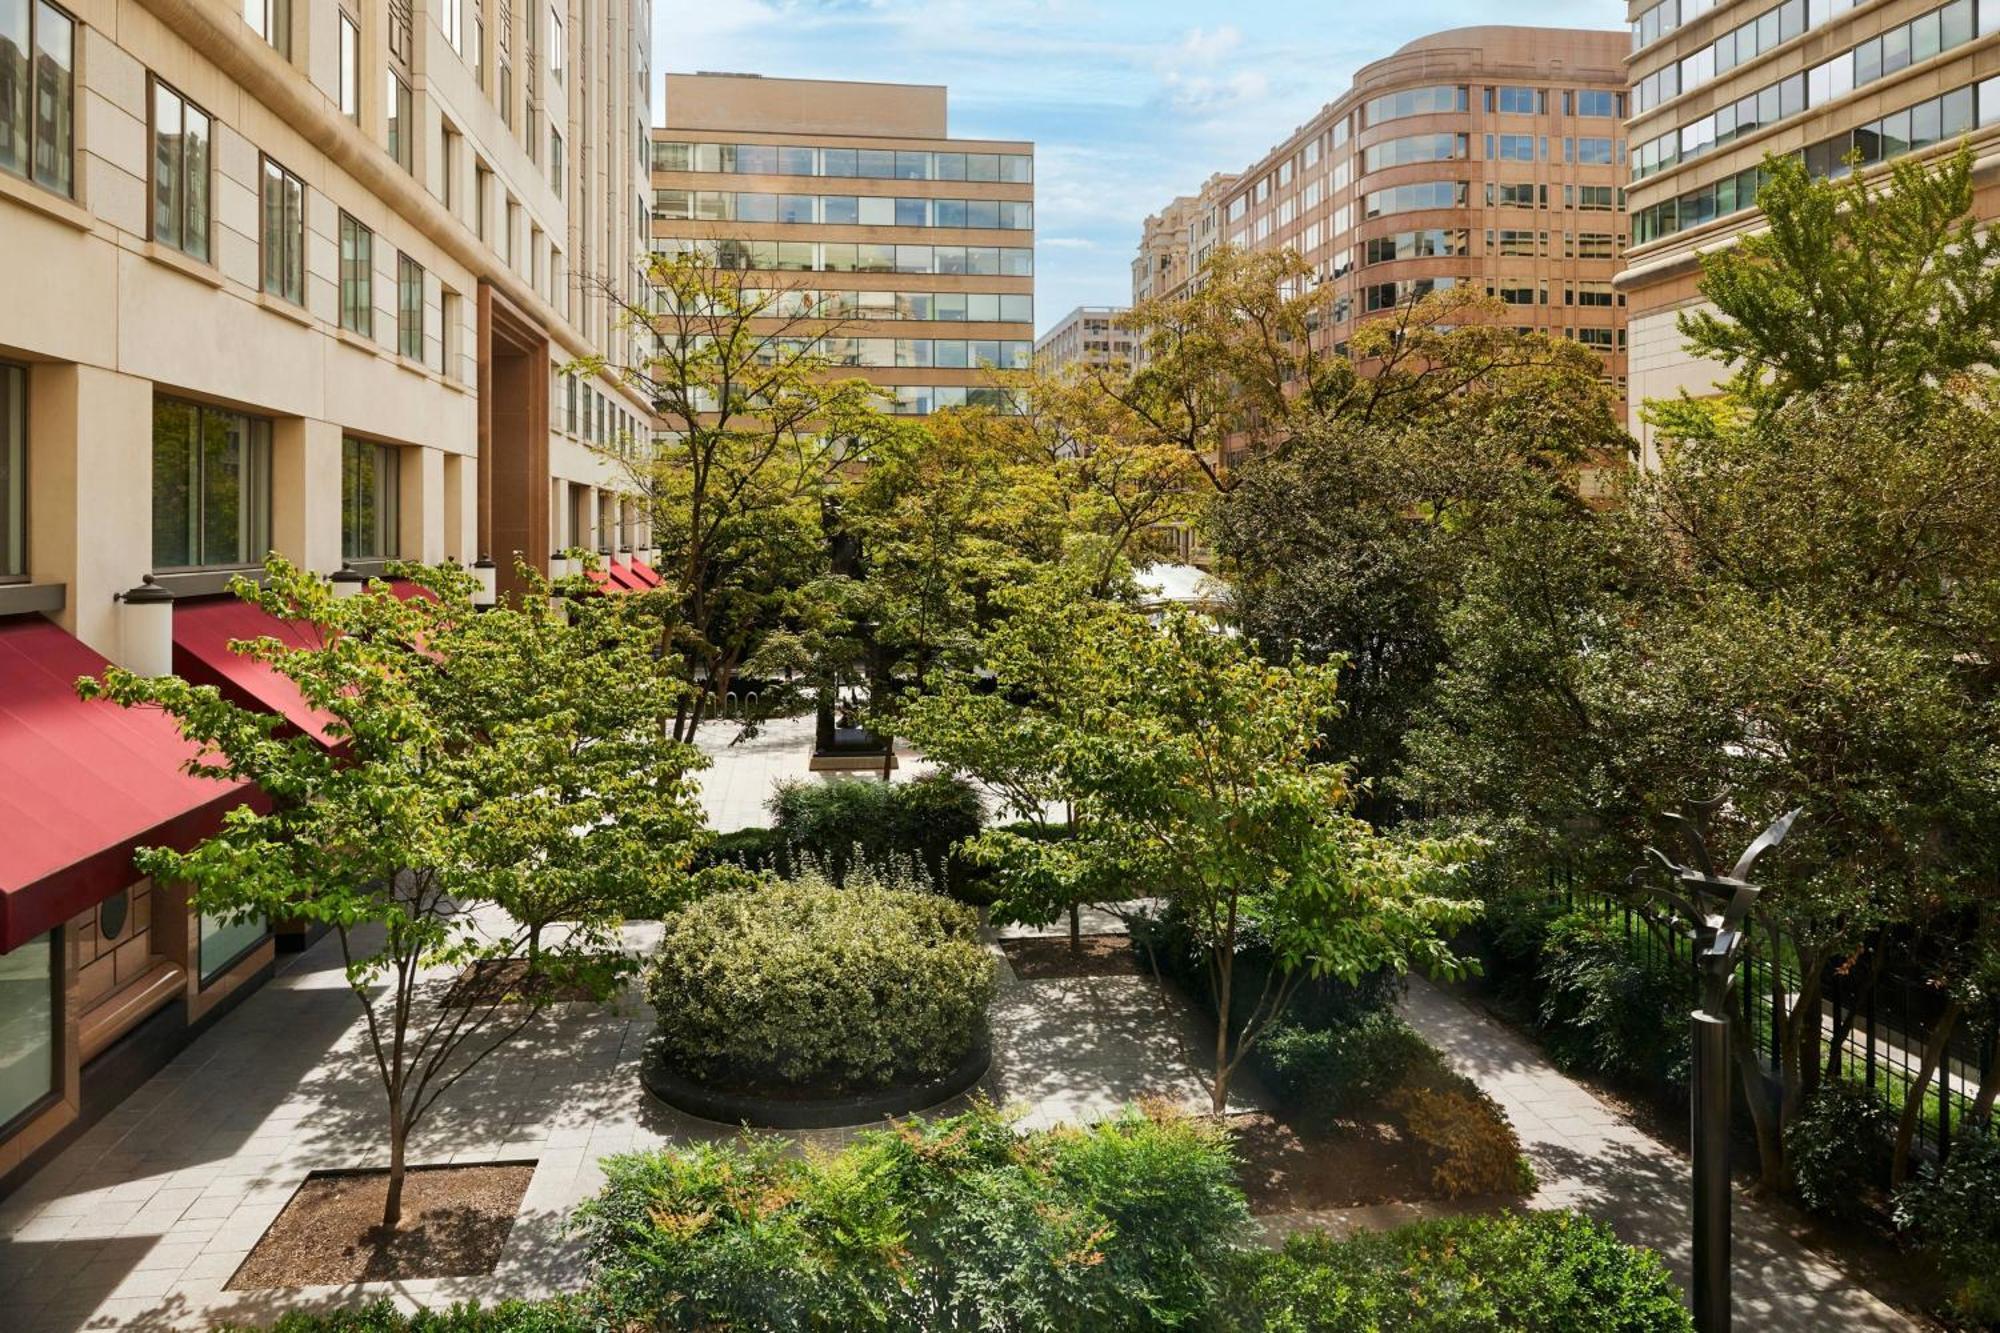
(357, 290)
(932, 353)
(1589, 152)
(1928, 35)
(951, 307)
(921, 400)
(592, 415)
(842, 210)
(1933, 121)
(1440, 242)
(1666, 16)
(842, 257)
(748, 159)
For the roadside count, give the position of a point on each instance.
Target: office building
(1487, 156)
(919, 248)
(1087, 336)
(1717, 86)
(294, 276)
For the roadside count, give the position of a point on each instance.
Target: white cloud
(1066, 242)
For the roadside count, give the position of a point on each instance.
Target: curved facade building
(1489, 156)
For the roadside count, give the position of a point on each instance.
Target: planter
(834, 1111)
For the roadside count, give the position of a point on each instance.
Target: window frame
(266, 165)
(32, 131)
(155, 86)
(409, 320)
(273, 24)
(365, 271)
(388, 500)
(257, 467)
(347, 95)
(14, 499)
(55, 948)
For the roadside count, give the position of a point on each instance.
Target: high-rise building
(1488, 156)
(291, 275)
(1177, 240)
(919, 247)
(1087, 336)
(1717, 86)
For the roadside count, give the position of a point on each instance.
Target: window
(1515, 148)
(225, 940)
(211, 486)
(284, 233)
(1415, 102)
(350, 69)
(180, 172)
(409, 308)
(1515, 101)
(13, 480)
(452, 16)
(402, 125)
(29, 976)
(555, 46)
(1593, 152)
(556, 170)
(370, 492)
(1592, 102)
(38, 93)
(271, 20)
(357, 277)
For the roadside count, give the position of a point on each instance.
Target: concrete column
(305, 492)
(420, 519)
(461, 515)
(90, 491)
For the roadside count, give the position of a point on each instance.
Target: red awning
(623, 576)
(83, 784)
(202, 634)
(605, 583)
(647, 572)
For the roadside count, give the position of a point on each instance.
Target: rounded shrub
(1839, 1148)
(1952, 1210)
(805, 985)
(1335, 1070)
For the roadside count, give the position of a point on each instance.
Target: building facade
(1717, 86)
(918, 248)
(294, 276)
(1488, 156)
(1087, 336)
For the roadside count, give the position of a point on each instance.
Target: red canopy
(202, 633)
(83, 784)
(605, 582)
(647, 573)
(625, 578)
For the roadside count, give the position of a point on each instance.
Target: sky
(1128, 102)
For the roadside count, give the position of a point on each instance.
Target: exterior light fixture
(347, 581)
(146, 629)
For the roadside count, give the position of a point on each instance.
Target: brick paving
(1591, 1159)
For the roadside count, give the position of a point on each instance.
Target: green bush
(1610, 1007)
(856, 823)
(1322, 1002)
(805, 984)
(1332, 1071)
(753, 849)
(958, 1224)
(1952, 1210)
(561, 1315)
(1511, 1273)
(1839, 1148)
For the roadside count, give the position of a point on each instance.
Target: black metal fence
(1872, 1030)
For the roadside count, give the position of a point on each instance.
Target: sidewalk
(1591, 1160)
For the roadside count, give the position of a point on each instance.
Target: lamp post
(1716, 906)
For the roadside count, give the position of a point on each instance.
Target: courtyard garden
(1275, 967)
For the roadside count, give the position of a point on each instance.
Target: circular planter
(831, 1112)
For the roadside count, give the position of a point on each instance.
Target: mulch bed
(455, 1221)
(1363, 1161)
(493, 979)
(1047, 957)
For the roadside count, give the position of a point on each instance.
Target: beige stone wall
(751, 104)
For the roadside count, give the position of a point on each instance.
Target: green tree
(459, 775)
(1852, 282)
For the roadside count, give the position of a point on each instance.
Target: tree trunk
(392, 1205)
(534, 948)
(1770, 1144)
(1218, 1098)
(1989, 1081)
(1075, 928)
(1913, 1104)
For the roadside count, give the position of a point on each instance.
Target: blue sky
(1129, 102)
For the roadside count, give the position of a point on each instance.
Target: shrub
(1477, 1151)
(1512, 1273)
(753, 849)
(1839, 1148)
(806, 984)
(1331, 1071)
(1952, 1209)
(1610, 1007)
(855, 823)
(958, 1224)
(1320, 1002)
(561, 1315)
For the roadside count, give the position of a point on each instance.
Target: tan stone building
(292, 275)
(1087, 336)
(1177, 240)
(1488, 156)
(1716, 86)
(921, 246)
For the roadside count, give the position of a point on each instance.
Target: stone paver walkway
(1592, 1160)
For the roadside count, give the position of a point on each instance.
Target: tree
(758, 432)
(1190, 763)
(1852, 283)
(459, 774)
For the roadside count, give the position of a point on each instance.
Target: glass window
(950, 166)
(357, 277)
(1017, 309)
(1017, 263)
(913, 259)
(13, 472)
(558, 172)
(913, 166)
(875, 163)
(982, 166)
(840, 209)
(982, 308)
(225, 940)
(1017, 168)
(284, 233)
(838, 162)
(756, 159)
(409, 307)
(982, 213)
(913, 213)
(877, 211)
(949, 212)
(795, 161)
(795, 208)
(180, 173)
(756, 208)
(211, 486)
(38, 93)
(350, 69)
(370, 494)
(271, 20)
(402, 128)
(28, 1047)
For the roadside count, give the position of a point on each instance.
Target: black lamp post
(1716, 905)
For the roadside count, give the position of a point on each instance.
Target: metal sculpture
(1716, 907)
